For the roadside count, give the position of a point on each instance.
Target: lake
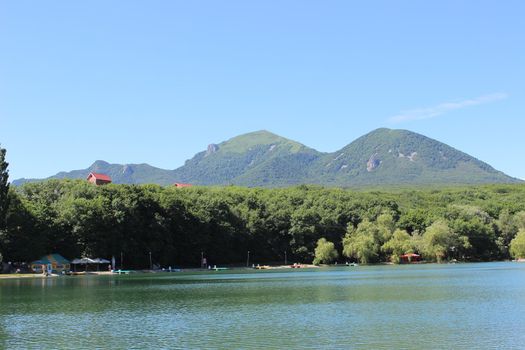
(430, 306)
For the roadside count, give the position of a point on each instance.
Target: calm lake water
(463, 306)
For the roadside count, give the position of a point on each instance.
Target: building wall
(101, 182)
(57, 268)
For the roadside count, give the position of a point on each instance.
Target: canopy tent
(56, 261)
(83, 261)
(87, 261)
(410, 257)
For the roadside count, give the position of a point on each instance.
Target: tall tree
(440, 241)
(507, 229)
(400, 243)
(362, 243)
(519, 220)
(325, 252)
(4, 188)
(4, 194)
(517, 245)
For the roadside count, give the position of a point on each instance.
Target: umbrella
(85, 261)
(100, 261)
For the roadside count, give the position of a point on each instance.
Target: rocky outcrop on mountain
(373, 162)
(212, 148)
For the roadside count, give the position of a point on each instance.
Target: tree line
(303, 223)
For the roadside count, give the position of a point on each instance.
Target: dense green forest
(75, 218)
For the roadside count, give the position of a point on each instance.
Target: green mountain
(399, 157)
(120, 174)
(381, 157)
(255, 159)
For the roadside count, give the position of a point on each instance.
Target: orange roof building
(181, 185)
(410, 258)
(98, 179)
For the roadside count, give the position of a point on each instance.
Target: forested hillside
(75, 218)
(394, 157)
(255, 159)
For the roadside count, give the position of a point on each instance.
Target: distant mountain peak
(382, 130)
(247, 142)
(99, 163)
(261, 132)
(260, 136)
(261, 158)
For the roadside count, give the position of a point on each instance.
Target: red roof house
(180, 185)
(410, 258)
(98, 179)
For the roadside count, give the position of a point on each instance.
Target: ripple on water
(462, 306)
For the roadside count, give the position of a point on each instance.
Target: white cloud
(442, 108)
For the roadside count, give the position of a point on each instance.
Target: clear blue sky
(157, 81)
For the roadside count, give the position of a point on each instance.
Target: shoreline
(190, 270)
(299, 267)
(39, 275)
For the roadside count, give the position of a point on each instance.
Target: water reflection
(427, 306)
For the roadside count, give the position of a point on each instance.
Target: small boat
(219, 268)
